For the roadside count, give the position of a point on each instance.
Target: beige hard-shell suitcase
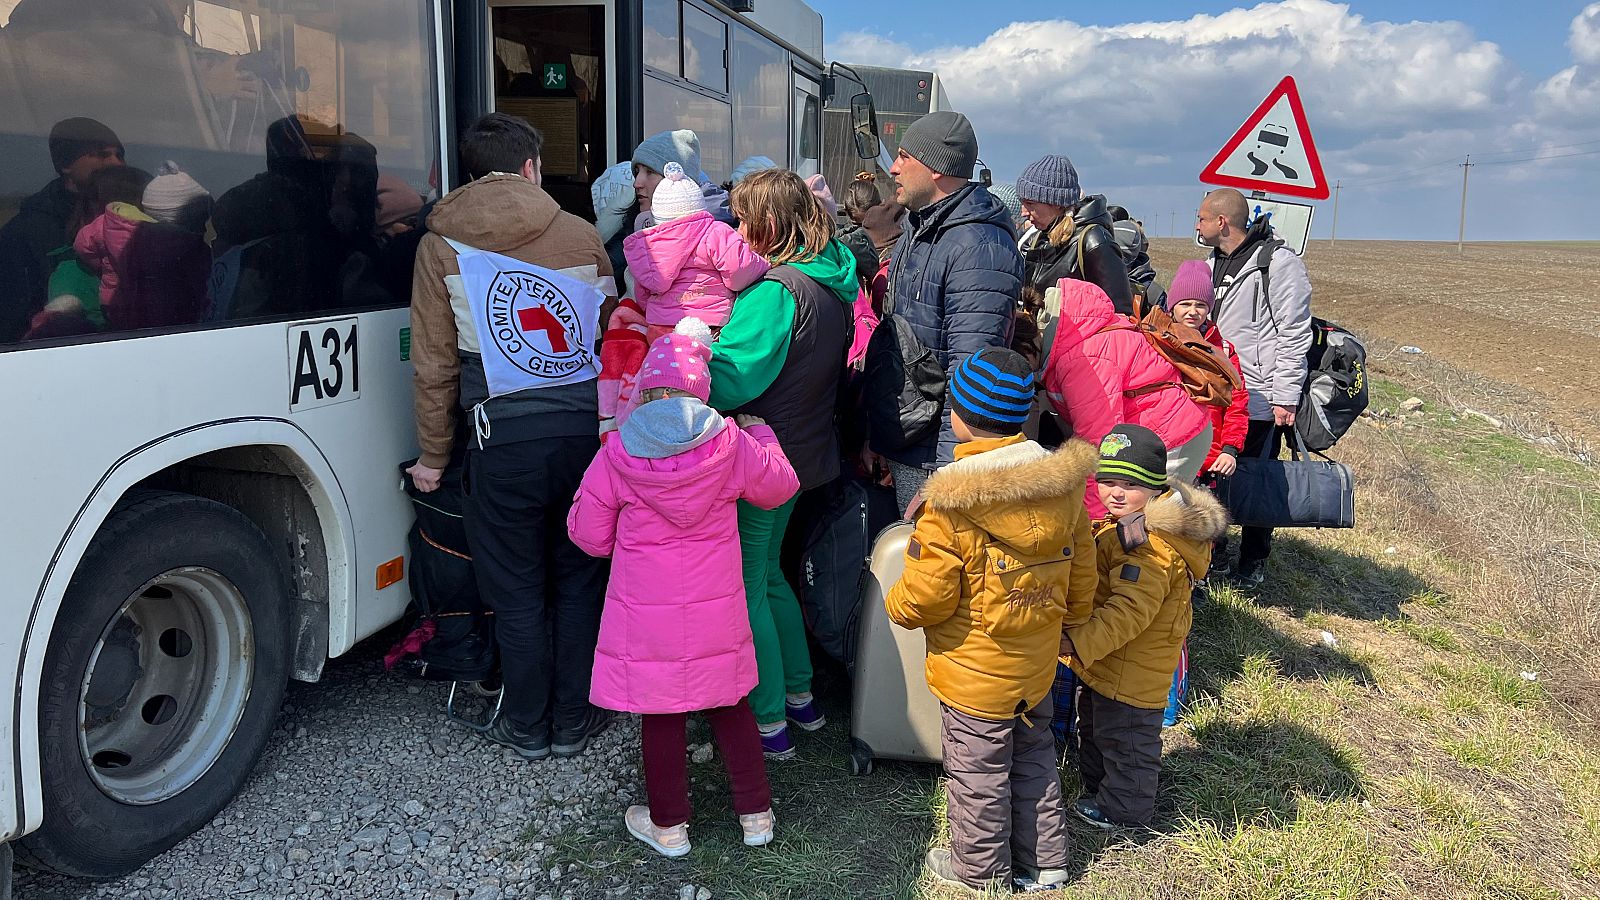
(893, 715)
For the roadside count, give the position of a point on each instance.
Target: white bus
(204, 420)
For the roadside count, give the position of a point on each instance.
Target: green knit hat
(1134, 453)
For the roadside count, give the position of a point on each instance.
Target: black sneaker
(528, 744)
(1089, 811)
(575, 741)
(1249, 577)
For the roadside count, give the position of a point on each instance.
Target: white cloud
(1574, 91)
(1181, 86)
(1584, 39)
(866, 48)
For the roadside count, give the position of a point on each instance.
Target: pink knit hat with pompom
(680, 360)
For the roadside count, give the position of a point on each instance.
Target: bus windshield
(179, 163)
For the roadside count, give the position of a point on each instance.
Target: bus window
(807, 126)
(669, 106)
(705, 49)
(302, 143)
(760, 97)
(661, 36)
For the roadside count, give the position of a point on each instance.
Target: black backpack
(902, 386)
(833, 564)
(1336, 385)
(453, 639)
(1335, 392)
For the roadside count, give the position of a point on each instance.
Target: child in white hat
(686, 264)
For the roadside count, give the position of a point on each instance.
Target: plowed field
(1527, 315)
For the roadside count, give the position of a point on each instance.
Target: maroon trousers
(666, 764)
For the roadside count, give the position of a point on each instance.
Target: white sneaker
(758, 828)
(669, 842)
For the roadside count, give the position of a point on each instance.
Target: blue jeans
(1180, 689)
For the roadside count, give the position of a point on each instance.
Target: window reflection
(661, 35)
(705, 49)
(760, 97)
(168, 163)
(668, 106)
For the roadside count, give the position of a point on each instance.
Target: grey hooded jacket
(1263, 306)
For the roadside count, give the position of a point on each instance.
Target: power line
(1380, 180)
(1507, 162)
(1539, 149)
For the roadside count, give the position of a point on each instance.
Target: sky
(1397, 93)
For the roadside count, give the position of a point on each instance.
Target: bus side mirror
(864, 125)
(985, 177)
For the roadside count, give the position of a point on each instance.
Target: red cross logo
(539, 318)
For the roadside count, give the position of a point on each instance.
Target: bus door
(550, 65)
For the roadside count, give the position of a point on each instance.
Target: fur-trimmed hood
(1188, 518)
(1010, 486)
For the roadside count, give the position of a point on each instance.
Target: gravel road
(366, 790)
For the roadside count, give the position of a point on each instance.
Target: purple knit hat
(1192, 281)
(680, 360)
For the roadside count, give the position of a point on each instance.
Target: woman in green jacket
(780, 357)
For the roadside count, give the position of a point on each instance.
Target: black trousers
(1119, 757)
(546, 593)
(1255, 544)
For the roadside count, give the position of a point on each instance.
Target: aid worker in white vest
(505, 314)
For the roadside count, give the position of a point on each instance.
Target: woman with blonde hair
(1069, 235)
(780, 357)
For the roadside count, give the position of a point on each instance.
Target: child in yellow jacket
(1002, 557)
(1149, 552)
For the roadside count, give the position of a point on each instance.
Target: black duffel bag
(453, 638)
(1298, 492)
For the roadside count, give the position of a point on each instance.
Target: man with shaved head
(1263, 306)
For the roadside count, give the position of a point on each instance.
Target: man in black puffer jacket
(1070, 235)
(956, 273)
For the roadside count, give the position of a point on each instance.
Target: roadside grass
(1407, 709)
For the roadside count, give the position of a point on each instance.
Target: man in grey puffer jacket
(1263, 307)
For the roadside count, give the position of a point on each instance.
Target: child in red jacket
(1190, 300)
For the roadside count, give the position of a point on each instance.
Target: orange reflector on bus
(391, 572)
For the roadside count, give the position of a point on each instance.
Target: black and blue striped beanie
(992, 390)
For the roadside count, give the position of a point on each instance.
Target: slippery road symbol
(1272, 151)
(1271, 136)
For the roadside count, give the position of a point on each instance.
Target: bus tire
(162, 682)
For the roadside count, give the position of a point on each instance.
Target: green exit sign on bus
(555, 76)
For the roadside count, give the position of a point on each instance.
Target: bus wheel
(162, 681)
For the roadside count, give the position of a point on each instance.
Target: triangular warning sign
(1272, 151)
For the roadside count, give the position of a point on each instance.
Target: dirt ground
(1527, 315)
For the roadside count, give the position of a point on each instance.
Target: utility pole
(1461, 236)
(1174, 223)
(1334, 235)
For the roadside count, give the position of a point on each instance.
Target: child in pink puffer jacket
(686, 264)
(1102, 372)
(661, 500)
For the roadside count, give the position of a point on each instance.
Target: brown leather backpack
(1203, 368)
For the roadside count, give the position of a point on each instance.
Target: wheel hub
(115, 673)
(166, 686)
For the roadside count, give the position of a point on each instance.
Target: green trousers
(783, 661)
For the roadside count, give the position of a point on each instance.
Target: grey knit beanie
(681, 146)
(944, 142)
(1052, 179)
